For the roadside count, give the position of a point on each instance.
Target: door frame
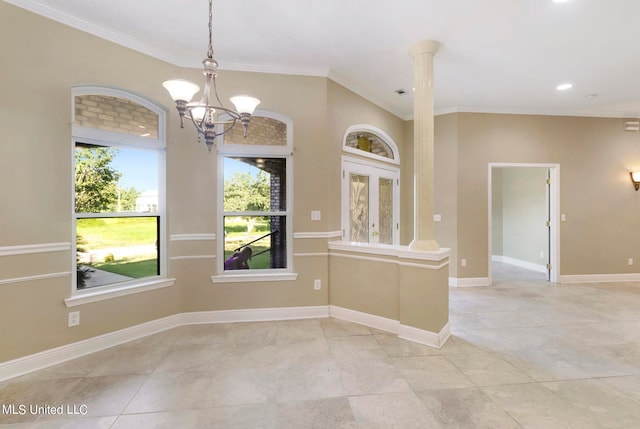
(553, 201)
(362, 166)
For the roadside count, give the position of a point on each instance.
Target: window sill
(85, 297)
(252, 278)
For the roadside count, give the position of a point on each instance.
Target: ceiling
(503, 56)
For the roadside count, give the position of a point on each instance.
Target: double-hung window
(118, 172)
(255, 198)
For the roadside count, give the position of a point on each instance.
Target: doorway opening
(524, 221)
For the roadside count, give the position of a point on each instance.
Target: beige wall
(36, 155)
(41, 61)
(595, 156)
(345, 108)
(409, 290)
(524, 214)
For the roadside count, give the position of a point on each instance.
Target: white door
(370, 196)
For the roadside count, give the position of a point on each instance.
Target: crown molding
(536, 112)
(95, 29)
(363, 92)
(150, 50)
(276, 69)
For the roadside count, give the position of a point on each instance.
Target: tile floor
(524, 354)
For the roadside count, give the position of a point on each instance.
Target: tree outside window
(118, 194)
(254, 200)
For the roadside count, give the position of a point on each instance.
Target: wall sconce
(635, 178)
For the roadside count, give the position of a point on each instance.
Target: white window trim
(107, 91)
(378, 132)
(106, 138)
(257, 151)
(257, 277)
(120, 289)
(351, 164)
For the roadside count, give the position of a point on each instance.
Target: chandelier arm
(215, 91)
(227, 129)
(200, 125)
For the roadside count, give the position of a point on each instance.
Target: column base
(424, 245)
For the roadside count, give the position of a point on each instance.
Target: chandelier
(203, 114)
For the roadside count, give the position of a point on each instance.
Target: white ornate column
(422, 54)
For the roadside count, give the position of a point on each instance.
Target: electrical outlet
(74, 318)
(316, 215)
(463, 262)
(317, 284)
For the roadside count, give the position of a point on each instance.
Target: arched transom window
(370, 187)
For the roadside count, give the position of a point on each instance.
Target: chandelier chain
(210, 50)
(205, 116)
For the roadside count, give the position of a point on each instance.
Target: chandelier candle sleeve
(203, 114)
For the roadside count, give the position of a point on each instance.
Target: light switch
(437, 217)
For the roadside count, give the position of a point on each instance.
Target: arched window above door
(370, 187)
(370, 142)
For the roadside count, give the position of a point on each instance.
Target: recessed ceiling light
(564, 86)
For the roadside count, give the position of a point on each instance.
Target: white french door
(370, 202)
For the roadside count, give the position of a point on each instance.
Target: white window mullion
(116, 215)
(242, 214)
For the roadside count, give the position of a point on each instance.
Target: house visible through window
(255, 198)
(255, 211)
(118, 199)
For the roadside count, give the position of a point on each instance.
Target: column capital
(425, 46)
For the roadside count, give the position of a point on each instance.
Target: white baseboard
(600, 278)
(469, 281)
(254, 315)
(425, 337)
(405, 332)
(47, 358)
(519, 263)
(44, 359)
(373, 321)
